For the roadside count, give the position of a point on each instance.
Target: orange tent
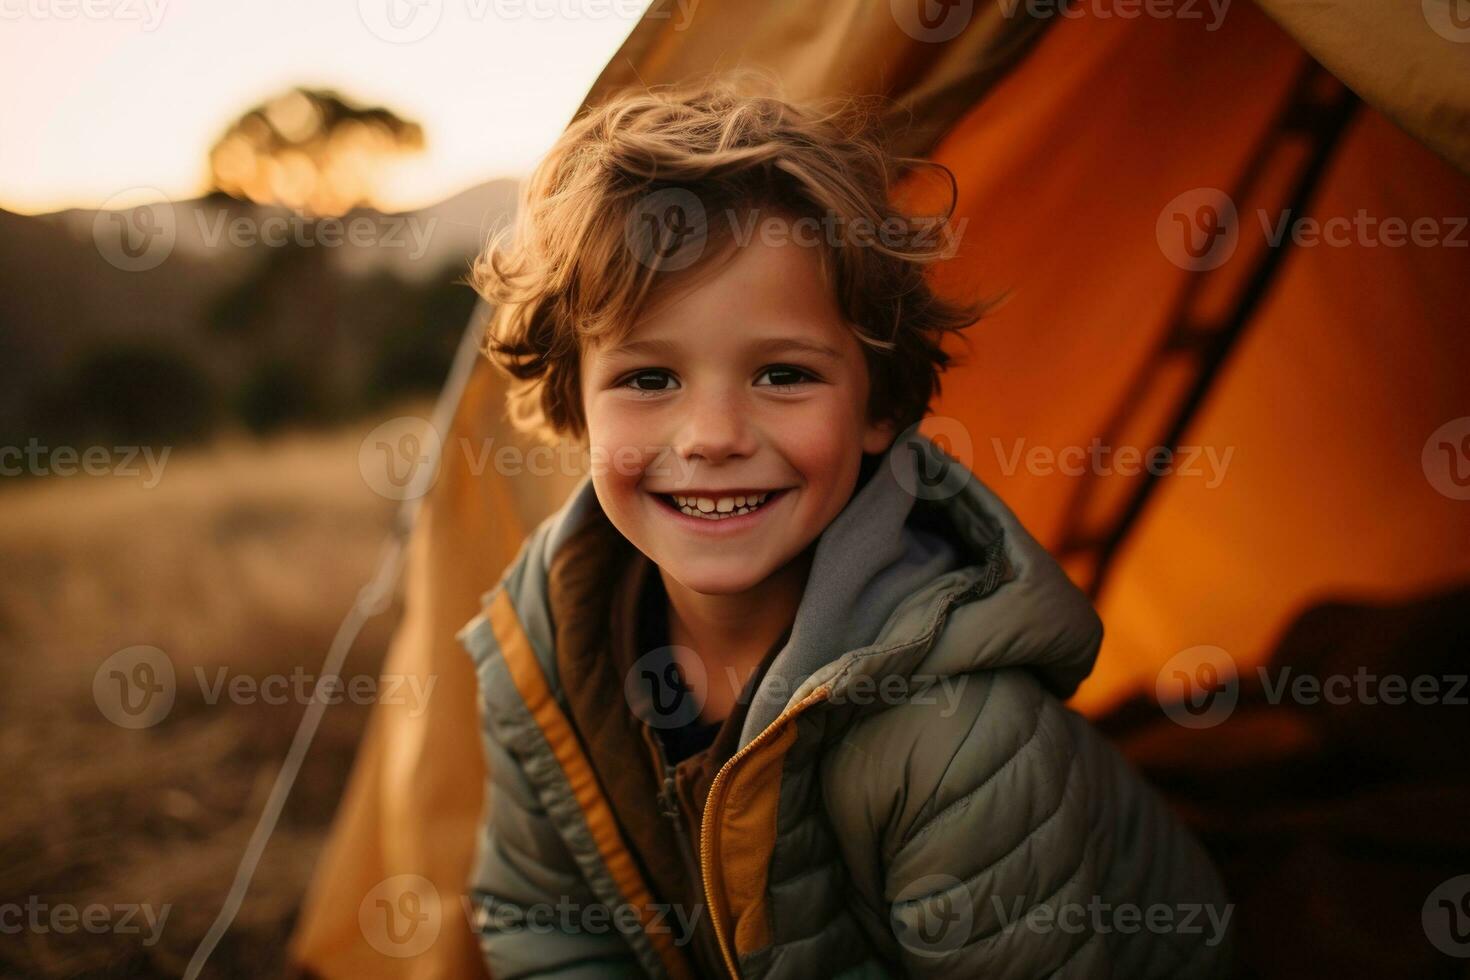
(1210, 245)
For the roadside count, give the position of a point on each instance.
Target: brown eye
(785, 376)
(649, 381)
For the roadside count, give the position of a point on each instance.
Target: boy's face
(742, 380)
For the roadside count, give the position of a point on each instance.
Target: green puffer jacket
(910, 796)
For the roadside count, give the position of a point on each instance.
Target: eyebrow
(771, 346)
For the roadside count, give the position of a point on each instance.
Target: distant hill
(212, 227)
(243, 295)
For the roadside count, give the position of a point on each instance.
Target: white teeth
(718, 509)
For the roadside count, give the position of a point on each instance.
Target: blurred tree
(133, 392)
(417, 343)
(279, 393)
(310, 149)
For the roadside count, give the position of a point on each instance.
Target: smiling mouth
(719, 507)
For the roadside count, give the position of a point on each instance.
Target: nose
(715, 428)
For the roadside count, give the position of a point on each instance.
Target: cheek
(619, 459)
(825, 446)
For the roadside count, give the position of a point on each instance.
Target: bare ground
(238, 563)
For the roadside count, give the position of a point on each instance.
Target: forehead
(746, 291)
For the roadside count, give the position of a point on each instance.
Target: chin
(715, 580)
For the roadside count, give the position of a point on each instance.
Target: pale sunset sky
(106, 96)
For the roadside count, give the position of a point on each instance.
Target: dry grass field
(238, 563)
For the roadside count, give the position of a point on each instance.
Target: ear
(878, 436)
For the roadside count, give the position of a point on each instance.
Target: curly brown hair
(627, 195)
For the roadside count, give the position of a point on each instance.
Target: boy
(776, 693)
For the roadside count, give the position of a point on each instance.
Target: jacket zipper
(668, 799)
(668, 806)
(708, 823)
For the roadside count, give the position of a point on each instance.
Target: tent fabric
(932, 74)
(1070, 170)
(409, 811)
(1357, 354)
(1411, 60)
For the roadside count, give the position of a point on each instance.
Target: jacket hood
(923, 548)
